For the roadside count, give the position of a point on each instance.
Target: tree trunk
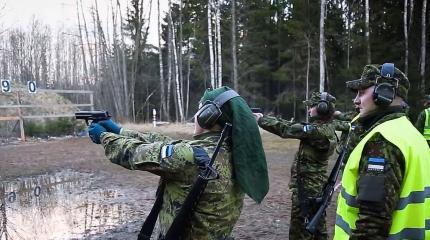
(348, 40)
(123, 67)
(181, 76)
(423, 47)
(233, 45)
(177, 83)
(218, 38)
(163, 109)
(308, 65)
(367, 34)
(294, 83)
(411, 14)
(96, 49)
(211, 52)
(117, 62)
(81, 41)
(405, 32)
(169, 64)
(90, 48)
(187, 104)
(103, 57)
(322, 46)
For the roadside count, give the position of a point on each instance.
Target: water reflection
(66, 205)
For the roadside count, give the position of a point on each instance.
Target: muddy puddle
(70, 205)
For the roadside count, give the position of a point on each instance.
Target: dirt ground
(122, 197)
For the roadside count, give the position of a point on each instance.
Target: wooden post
(21, 120)
(154, 117)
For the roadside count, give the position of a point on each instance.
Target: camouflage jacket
(221, 203)
(317, 142)
(419, 124)
(374, 218)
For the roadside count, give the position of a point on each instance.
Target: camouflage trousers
(297, 224)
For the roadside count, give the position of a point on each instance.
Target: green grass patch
(56, 127)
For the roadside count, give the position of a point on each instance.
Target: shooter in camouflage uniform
(308, 172)
(240, 163)
(423, 120)
(385, 181)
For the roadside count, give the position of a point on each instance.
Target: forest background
(273, 52)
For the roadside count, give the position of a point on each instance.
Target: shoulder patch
(375, 164)
(167, 151)
(308, 128)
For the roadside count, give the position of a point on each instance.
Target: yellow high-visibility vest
(426, 132)
(411, 218)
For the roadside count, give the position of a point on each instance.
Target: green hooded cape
(249, 160)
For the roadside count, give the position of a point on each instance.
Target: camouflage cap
(316, 97)
(372, 74)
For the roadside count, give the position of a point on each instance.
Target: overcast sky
(62, 13)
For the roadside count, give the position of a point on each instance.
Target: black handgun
(256, 110)
(94, 116)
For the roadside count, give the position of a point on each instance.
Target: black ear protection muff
(384, 92)
(209, 113)
(323, 106)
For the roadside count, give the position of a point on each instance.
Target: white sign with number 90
(5, 85)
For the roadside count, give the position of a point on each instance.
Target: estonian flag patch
(167, 151)
(375, 164)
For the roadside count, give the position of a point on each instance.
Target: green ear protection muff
(324, 107)
(385, 91)
(210, 112)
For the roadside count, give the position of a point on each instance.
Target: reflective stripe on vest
(426, 131)
(411, 219)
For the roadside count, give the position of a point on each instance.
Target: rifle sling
(149, 224)
(183, 218)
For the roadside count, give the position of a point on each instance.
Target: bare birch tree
(308, 66)
(81, 39)
(91, 47)
(322, 46)
(169, 63)
(218, 40)
(163, 109)
(211, 52)
(367, 34)
(181, 77)
(175, 59)
(233, 45)
(123, 64)
(104, 53)
(348, 36)
(405, 34)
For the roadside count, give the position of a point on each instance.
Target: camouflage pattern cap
(372, 74)
(316, 97)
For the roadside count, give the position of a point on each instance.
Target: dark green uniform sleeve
(145, 137)
(287, 129)
(170, 160)
(342, 126)
(419, 124)
(380, 176)
(346, 116)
